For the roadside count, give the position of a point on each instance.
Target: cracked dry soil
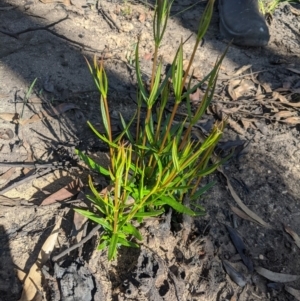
(180, 259)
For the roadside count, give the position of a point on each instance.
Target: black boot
(241, 21)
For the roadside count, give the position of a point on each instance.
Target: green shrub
(154, 163)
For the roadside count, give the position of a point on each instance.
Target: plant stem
(169, 126)
(186, 73)
(104, 99)
(153, 67)
(138, 125)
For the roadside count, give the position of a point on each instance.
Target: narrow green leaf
(178, 73)
(149, 214)
(200, 213)
(102, 137)
(138, 74)
(91, 163)
(112, 248)
(188, 102)
(104, 117)
(175, 156)
(201, 208)
(126, 243)
(149, 133)
(202, 190)
(176, 205)
(130, 229)
(126, 129)
(194, 88)
(205, 20)
(154, 92)
(99, 220)
(102, 245)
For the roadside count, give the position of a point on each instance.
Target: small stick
(109, 20)
(16, 34)
(28, 178)
(84, 240)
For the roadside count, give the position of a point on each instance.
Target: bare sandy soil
(180, 259)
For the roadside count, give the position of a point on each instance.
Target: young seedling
(154, 163)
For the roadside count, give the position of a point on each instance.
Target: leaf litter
(246, 121)
(32, 288)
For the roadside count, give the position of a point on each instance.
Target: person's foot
(241, 21)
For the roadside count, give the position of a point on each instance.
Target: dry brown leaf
(235, 126)
(6, 176)
(293, 292)
(276, 277)
(231, 110)
(196, 97)
(60, 109)
(266, 87)
(283, 114)
(244, 87)
(231, 91)
(12, 117)
(292, 120)
(197, 73)
(248, 124)
(292, 104)
(32, 287)
(278, 96)
(78, 221)
(242, 214)
(147, 56)
(258, 91)
(142, 17)
(2, 95)
(241, 204)
(294, 235)
(240, 70)
(294, 10)
(260, 96)
(63, 193)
